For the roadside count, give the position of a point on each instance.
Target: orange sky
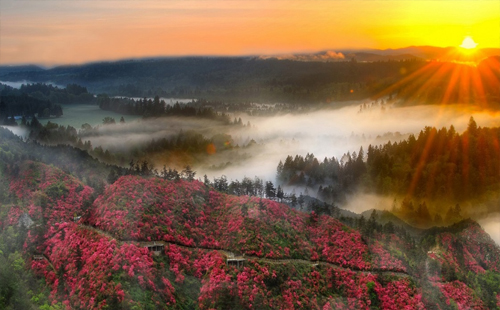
(62, 32)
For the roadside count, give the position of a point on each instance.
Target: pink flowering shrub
(189, 214)
(471, 249)
(49, 193)
(90, 271)
(88, 268)
(135, 208)
(179, 260)
(260, 285)
(480, 249)
(335, 243)
(13, 215)
(382, 259)
(399, 295)
(352, 285)
(460, 294)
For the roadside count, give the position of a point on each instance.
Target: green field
(77, 114)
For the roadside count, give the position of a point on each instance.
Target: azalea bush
(460, 295)
(88, 270)
(293, 260)
(189, 214)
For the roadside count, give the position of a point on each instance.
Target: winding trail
(231, 255)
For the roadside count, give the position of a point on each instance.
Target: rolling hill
(149, 243)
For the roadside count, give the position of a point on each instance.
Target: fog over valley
(324, 133)
(206, 155)
(255, 148)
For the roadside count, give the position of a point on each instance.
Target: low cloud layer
(122, 137)
(491, 224)
(324, 133)
(322, 56)
(336, 132)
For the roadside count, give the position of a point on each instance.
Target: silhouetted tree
(270, 190)
(188, 173)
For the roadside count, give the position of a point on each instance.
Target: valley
(206, 155)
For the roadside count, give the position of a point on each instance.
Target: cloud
(325, 133)
(322, 56)
(491, 225)
(125, 137)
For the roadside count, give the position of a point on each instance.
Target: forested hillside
(85, 247)
(43, 100)
(437, 165)
(246, 79)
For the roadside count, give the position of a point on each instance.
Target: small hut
(238, 262)
(38, 257)
(155, 247)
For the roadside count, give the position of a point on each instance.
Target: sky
(65, 32)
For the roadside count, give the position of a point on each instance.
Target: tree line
(187, 142)
(71, 94)
(437, 164)
(336, 178)
(156, 107)
(38, 99)
(16, 102)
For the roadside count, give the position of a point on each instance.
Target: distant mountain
(490, 65)
(297, 78)
(371, 57)
(242, 78)
(433, 53)
(425, 52)
(489, 69)
(343, 56)
(411, 52)
(17, 69)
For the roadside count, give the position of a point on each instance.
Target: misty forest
(363, 180)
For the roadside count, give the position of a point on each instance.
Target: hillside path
(231, 255)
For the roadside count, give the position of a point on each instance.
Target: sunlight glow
(81, 31)
(468, 43)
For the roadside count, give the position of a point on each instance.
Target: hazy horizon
(67, 32)
(264, 55)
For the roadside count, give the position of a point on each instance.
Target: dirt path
(231, 255)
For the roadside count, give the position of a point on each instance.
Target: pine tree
(301, 201)
(279, 171)
(280, 194)
(188, 173)
(262, 206)
(270, 190)
(472, 127)
(293, 200)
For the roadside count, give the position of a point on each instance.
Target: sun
(468, 43)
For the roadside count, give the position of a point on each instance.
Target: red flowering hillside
(190, 214)
(468, 249)
(89, 271)
(48, 194)
(290, 259)
(461, 296)
(463, 263)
